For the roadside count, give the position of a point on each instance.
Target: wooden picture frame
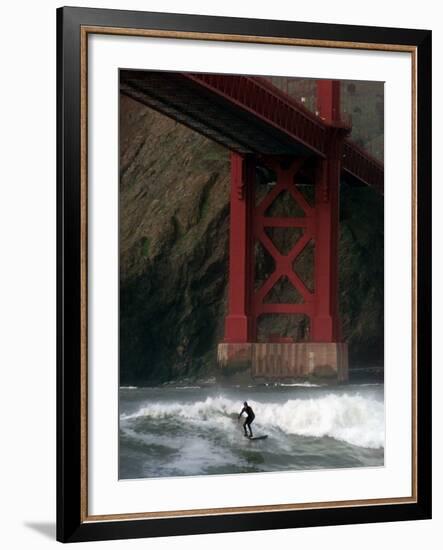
(74, 523)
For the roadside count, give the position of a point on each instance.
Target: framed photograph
(244, 274)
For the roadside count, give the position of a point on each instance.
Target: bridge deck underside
(177, 97)
(231, 124)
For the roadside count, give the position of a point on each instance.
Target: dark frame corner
(70, 526)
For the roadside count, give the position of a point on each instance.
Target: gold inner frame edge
(84, 32)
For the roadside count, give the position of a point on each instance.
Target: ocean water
(191, 430)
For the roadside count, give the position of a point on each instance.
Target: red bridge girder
(248, 114)
(269, 104)
(362, 166)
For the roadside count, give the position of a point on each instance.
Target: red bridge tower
(322, 353)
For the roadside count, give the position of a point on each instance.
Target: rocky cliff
(174, 217)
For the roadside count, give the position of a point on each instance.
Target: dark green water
(192, 430)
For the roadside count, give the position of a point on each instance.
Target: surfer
(249, 418)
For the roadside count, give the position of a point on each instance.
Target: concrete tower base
(277, 361)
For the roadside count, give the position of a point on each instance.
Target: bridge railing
(267, 102)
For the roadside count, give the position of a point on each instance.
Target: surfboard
(258, 437)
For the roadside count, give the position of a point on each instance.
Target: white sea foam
(190, 454)
(300, 384)
(355, 419)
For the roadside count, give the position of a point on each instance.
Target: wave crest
(354, 419)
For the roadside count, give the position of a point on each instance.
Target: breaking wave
(354, 419)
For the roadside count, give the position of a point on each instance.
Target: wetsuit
(249, 419)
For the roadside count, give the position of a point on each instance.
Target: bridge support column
(238, 321)
(236, 348)
(325, 322)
